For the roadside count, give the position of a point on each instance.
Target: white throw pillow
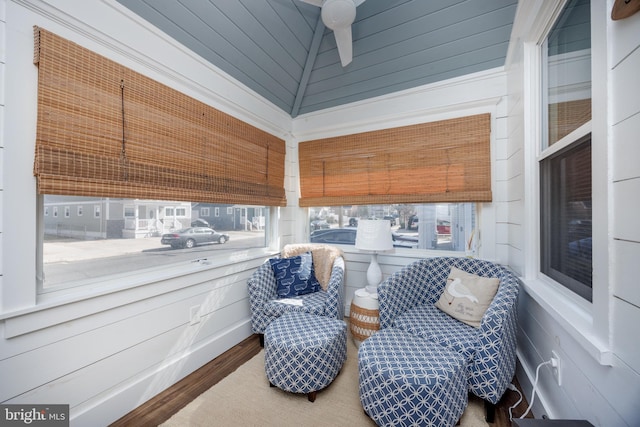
(467, 296)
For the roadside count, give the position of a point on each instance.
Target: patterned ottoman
(303, 353)
(406, 380)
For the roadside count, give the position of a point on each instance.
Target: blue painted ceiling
(282, 50)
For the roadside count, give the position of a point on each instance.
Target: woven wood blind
(104, 130)
(440, 162)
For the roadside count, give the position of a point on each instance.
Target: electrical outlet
(556, 367)
(194, 315)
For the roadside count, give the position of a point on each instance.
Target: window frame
(587, 323)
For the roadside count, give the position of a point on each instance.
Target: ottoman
(408, 380)
(303, 352)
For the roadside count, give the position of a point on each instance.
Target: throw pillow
(323, 258)
(467, 296)
(295, 275)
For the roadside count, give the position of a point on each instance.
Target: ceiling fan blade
(345, 48)
(313, 2)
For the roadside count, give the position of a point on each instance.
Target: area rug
(244, 398)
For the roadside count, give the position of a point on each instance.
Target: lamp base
(374, 275)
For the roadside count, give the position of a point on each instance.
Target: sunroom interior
(137, 118)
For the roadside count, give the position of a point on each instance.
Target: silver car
(193, 236)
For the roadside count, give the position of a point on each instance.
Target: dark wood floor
(163, 406)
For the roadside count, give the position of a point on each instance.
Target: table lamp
(374, 236)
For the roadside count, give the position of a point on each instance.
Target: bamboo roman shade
(440, 162)
(104, 130)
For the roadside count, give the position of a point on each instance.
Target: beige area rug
(244, 398)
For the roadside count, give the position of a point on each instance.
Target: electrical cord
(514, 388)
(535, 385)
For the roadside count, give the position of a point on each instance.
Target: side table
(364, 317)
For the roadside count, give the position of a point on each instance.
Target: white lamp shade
(374, 235)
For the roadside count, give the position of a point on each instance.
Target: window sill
(64, 305)
(572, 315)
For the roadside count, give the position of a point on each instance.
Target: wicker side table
(364, 319)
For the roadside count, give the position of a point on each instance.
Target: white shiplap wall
(624, 68)
(596, 343)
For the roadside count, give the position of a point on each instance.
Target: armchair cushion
(295, 275)
(429, 322)
(467, 296)
(313, 303)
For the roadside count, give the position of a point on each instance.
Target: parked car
(319, 224)
(412, 222)
(193, 236)
(339, 236)
(347, 236)
(391, 219)
(443, 227)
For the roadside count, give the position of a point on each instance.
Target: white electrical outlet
(194, 315)
(556, 367)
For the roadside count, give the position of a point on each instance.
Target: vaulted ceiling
(282, 50)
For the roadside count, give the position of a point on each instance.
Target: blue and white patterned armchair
(328, 301)
(407, 301)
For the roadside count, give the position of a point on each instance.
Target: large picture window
(142, 155)
(565, 159)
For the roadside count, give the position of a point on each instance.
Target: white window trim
(587, 323)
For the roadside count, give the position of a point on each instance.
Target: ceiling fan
(338, 15)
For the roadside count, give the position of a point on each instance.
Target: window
(204, 212)
(446, 226)
(565, 160)
(216, 212)
(221, 159)
(79, 210)
(79, 250)
(67, 212)
(230, 210)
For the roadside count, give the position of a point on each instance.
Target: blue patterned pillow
(295, 275)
